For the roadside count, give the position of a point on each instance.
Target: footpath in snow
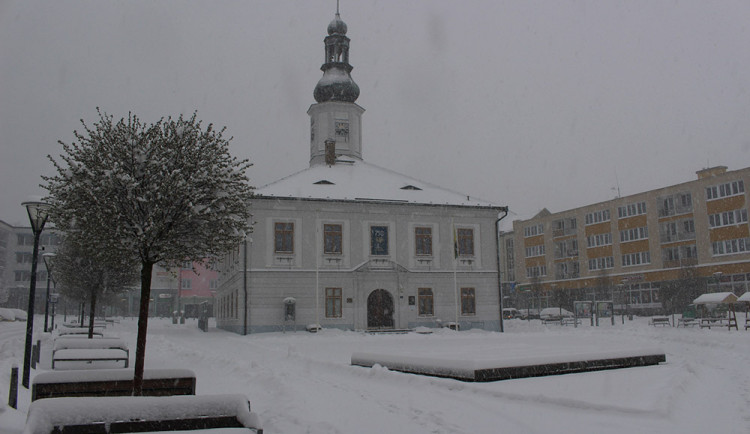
(305, 383)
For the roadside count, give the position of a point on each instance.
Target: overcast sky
(529, 104)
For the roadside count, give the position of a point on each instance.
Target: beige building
(632, 249)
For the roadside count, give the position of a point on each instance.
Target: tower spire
(335, 121)
(336, 83)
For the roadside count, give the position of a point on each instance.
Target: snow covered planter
(313, 328)
(128, 414)
(111, 382)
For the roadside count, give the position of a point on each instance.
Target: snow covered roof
(716, 298)
(745, 297)
(355, 180)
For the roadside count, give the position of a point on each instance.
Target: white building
(356, 246)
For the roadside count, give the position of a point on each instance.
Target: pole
(499, 277)
(244, 286)
(30, 311)
(455, 265)
(317, 273)
(46, 305)
(13, 394)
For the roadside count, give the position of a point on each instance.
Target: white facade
(357, 246)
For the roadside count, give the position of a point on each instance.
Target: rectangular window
(533, 230)
(332, 239)
(728, 247)
(634, 234)
(425, 301)
(537, 271)
(601, 263)
(284, 237)
(679, 230)
(465, 242)
(638, 258)
(599, 240)
(333, 302)
(532, 251)
(631, 210)
(597, 217)
(728, 218)
(423, 241)
(468, 301)
(213, 284)
(378, 240)
(187, 283)
(725, 190)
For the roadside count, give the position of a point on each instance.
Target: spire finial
(337, 7)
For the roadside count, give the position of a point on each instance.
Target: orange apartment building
(627, 249)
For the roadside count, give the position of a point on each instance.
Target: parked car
(554, 313)
(528, 313)
(510, 313)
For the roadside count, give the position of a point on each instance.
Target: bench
(719, 322)
(128, 414)
(79, 331)
(570, 321)
(111, 382)
(660, 320)
(91, 355)
(687, 322)
(552, 321)
(747, 323)
(67, 343)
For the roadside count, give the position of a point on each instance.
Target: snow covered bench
(660, 320)
(687, 322)
(66, 343)
(570, 321)
(111, 382)
(717, 322)
(91, 355)
(79, 331)
(128, 414)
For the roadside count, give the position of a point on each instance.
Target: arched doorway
(379, 309)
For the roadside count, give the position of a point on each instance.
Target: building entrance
(379, 309)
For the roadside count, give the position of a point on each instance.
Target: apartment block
(628, 248)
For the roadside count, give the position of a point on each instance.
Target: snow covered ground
(303, 383)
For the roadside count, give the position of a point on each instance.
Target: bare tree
(84, 276)
(163, 192)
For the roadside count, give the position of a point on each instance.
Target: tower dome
(337, 83)
(337, 26)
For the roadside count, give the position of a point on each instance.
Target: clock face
(342, 129)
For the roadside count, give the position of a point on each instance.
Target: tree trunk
(92, 314)
(140, 346)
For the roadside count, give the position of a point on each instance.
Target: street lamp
(38, 213)
(621, 287)
(53, 298)
(48, 259)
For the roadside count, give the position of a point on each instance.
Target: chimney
(330, 152)
(711, 171)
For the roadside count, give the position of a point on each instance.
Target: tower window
(342, 130)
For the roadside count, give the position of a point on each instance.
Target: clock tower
(336, 116)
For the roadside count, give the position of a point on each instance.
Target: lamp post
(48, 259)
(37, 211)
(53, 301)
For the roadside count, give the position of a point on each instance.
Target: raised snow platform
(505, 368)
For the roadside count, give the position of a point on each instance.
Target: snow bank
(45, 414)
